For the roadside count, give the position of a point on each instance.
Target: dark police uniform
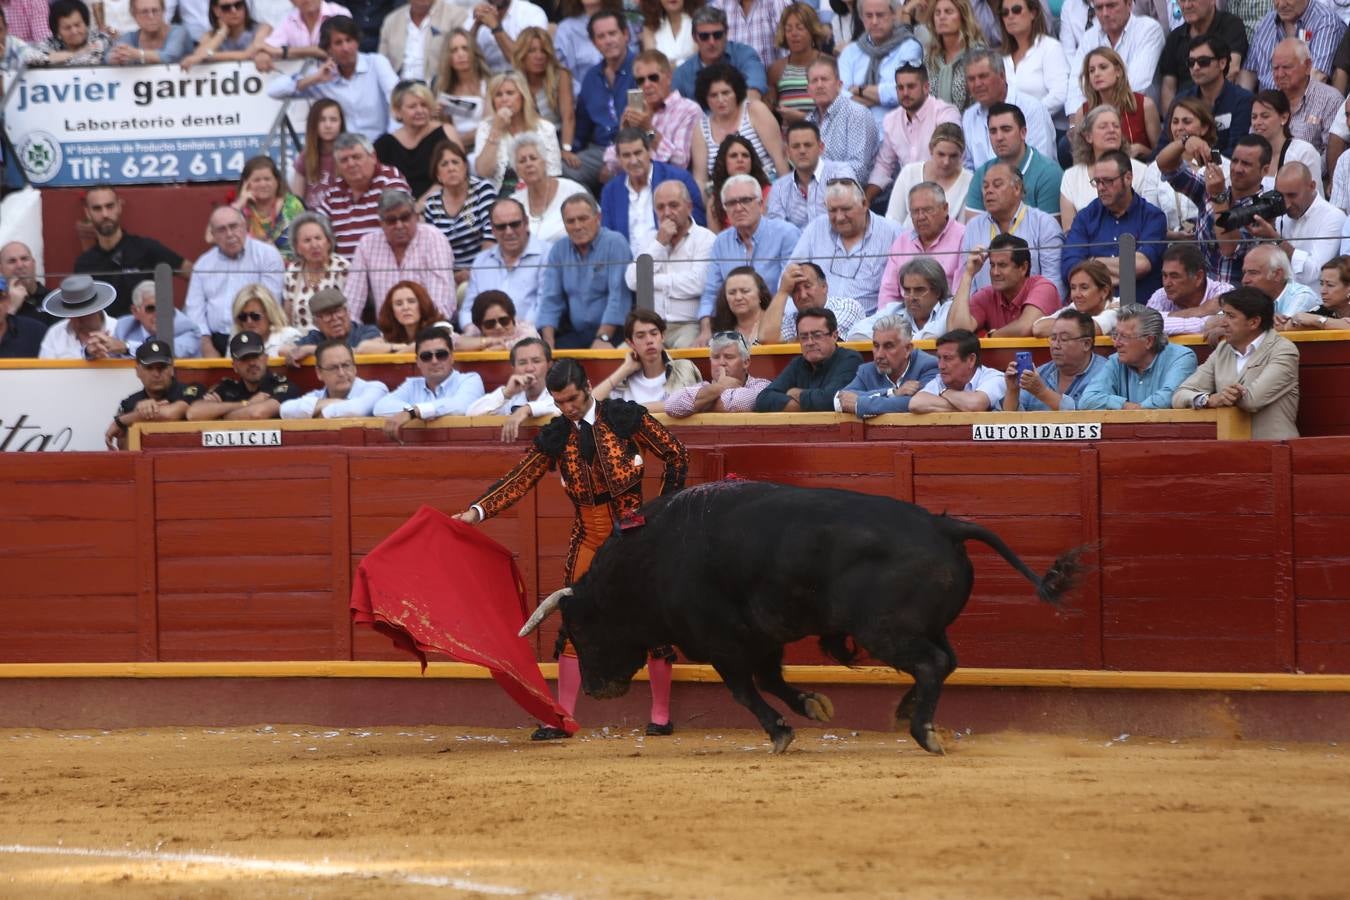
(232, 390)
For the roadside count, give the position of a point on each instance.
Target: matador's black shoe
(655, 730)
(548, 733)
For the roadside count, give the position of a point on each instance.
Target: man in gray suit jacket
(1254, 368)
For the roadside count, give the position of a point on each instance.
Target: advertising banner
(140, 124)
(55, 409)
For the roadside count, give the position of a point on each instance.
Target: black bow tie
(587, 439)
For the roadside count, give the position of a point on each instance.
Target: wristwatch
(567, 148)
(411, 410)
(608, 339)
(1223, 196)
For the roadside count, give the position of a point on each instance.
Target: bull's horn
(548, 606)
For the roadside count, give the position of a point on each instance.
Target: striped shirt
(755, 28)
(352, 216)
(1318, 27)
(467, 230)
(674, 123)
(850, 134)
(745, 129)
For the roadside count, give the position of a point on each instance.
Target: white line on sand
(274, 866)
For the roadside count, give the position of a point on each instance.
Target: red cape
(439, 584)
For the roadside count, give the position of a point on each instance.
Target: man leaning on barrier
(343, 395)
(255, 393)
(1145, 370)
(162, 398)
(437, 390)
(732, 388)
(962, 384)
(1059, 384)
(896, 372)
(810, 381)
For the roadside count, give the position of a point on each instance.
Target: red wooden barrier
(1207, 555)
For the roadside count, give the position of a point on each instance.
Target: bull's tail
(1063, 574)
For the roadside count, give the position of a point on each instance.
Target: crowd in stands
(485, 176)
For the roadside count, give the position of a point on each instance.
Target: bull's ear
(548, 606)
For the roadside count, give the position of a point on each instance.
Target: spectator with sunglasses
(513, 265)
(439, 390)
(1209, 62)
(732, 387)
(710, 32)
(256, 310)
(136, 328)
(1203, 19)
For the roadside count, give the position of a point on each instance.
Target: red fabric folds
(439, 584)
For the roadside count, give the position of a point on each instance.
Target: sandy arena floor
(308, 812)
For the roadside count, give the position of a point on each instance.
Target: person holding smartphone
(1059, 383)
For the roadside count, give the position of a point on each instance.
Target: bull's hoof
(781, 739)
(927, 738)
(818, 707)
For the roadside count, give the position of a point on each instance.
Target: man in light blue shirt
(139, 326)
(1267, 268)
(752, 240)
(1060, 383)
(513, 265)
(361, 82)
(438, 391)
(799, 196)
(710, 36)
(850, 242)
(220, 273)
(987, 83)
(867, 66)
(851, 134)
(1145, 370)
(583, 298)
(343, 395)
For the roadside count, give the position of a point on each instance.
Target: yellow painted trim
(1082, 679)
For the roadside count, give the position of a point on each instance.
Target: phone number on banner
(144, 162)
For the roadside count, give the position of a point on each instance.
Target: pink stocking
(658, 672)
(569, 682)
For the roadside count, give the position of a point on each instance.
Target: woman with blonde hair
(512, 115)
(802, 35)
(1099, 132)
(408, 148)
(550, 84)
(1090, 292)
(953, 30)
(946, 150)
(462, 84)
(668, 26)
(1105, 82)
(256, 310)
(314, 169)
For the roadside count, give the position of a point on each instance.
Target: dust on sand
(313, 812)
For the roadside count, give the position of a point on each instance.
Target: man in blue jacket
(626, 204)
(896, 372)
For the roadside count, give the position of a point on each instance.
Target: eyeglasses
(499, 322)
(1013, 11)
(845, 180)
(231, 7)
(339, 367)
(438, 355)
(507, 226)
(1105, 182)
(148, 307)
(732, 202)
(648, 79)
(397, 220)
(711, 35)
(1056, 339)
(810, 337)
(1201, 62)
(247, 316)
(1126, 338)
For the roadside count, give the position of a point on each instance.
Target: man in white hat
(81, 301)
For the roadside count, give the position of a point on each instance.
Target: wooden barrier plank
(1285, 631)
(1193, 495)
(70, 501)
(1190, 653)
(998, 459)
(1322, 536)
(306, 535)
(974, 493)
(1321, 494)
(46, 468)
(244, 465)
(71, 576)
(176, 500)
(147, 550)
(43, 538)
(339, 561)
(1129, 535)
(243, 574)
(1189, 577)
(1120, 460)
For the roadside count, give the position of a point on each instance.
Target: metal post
(1127, 286)
(646, 284)
(164, 310)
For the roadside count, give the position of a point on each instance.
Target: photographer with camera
(1226, 208)
(1310, 230)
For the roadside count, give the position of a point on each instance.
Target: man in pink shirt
(906, 130)
(935, 233)
(297, 37)
(403, 248)
(663, 112)
(1014, 298)
(732, 389)
(1189, 298)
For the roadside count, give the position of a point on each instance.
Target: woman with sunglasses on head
(256, 310)
(406, 310)
(408, 148)
(1270, 119)
(1105, 82)
(668, 26)
(458, 205)
(1034, 62)
(267, 206)
(804, 38)
(234, 36)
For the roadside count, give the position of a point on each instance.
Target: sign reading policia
(139, 124)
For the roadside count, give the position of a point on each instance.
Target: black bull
(732, 571)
